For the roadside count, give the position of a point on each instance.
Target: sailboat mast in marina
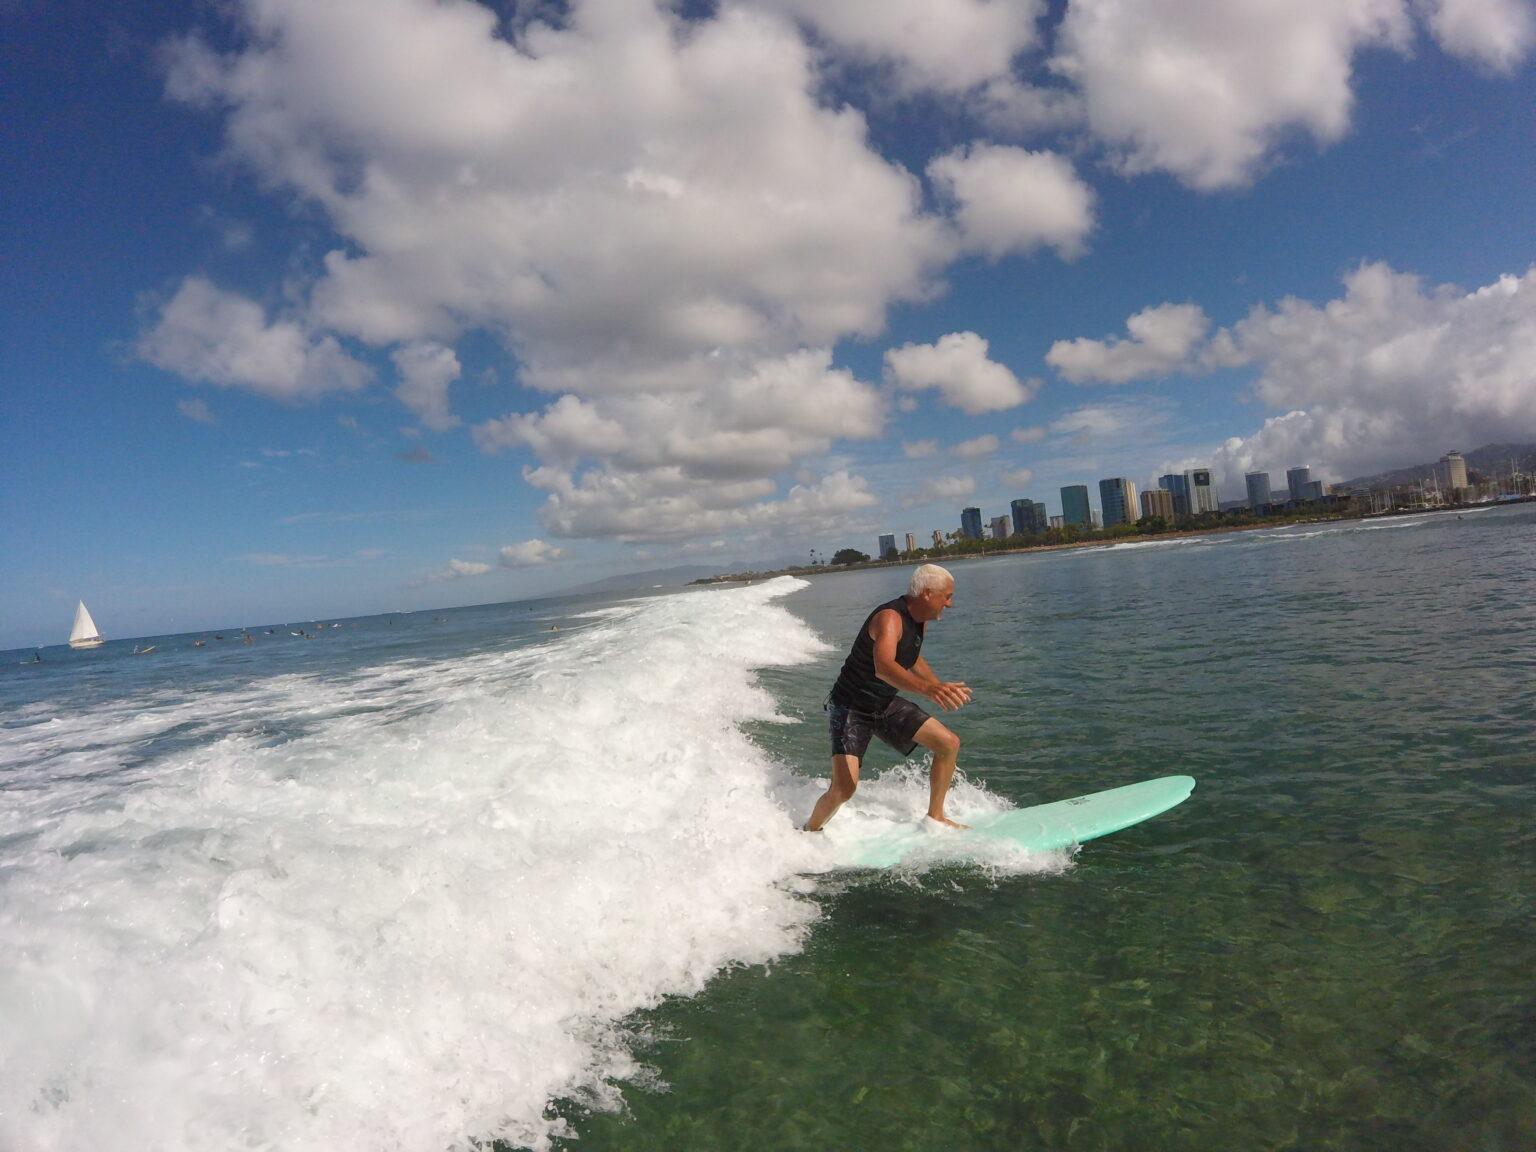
(84, 633)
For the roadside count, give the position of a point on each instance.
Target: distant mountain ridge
(1489, 459)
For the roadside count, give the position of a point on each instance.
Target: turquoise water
(1329, 946)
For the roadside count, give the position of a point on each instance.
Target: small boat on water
(85, 633)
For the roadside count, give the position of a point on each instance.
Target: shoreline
(1183, 533)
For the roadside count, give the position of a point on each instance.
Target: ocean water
(447, 880)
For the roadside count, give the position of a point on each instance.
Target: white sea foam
(1155, 543)
(408, 906)
(411, 925)
(884, 810)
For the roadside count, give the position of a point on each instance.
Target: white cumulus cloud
(196, 409)
(1010, 200)
(939, 490)
(1497, 34)
(459, 570)
(1126, 422)
(1160, 340)
(208, 335)
(663, 504)
(528, 554)
(656, 212)
(756, 423)
(1205, 90)
(565, 185)
(983, 445)
(1391, 373)
(947, 45)
(959, 367)
(670, 214)
(426, 371)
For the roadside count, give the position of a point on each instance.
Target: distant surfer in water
(886, 656)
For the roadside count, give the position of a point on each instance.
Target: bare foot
(945, 820)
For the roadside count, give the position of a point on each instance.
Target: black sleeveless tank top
(857, 685)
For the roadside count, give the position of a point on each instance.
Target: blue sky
(319, 310)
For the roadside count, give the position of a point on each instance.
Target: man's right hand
(949, 695)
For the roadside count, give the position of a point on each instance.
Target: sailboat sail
(84, 633)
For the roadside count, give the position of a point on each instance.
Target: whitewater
(398, 903)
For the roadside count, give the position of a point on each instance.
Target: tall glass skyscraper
(1029, 517)
(1074, 505)
(970, 523)
(1117, 497)
(1178, 484)
(1296, 479)
(1258, 489)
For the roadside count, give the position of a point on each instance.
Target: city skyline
(326, 309)
(1171, 498)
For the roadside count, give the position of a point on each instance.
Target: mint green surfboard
(1044, 827)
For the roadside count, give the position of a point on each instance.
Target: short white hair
(928, 576)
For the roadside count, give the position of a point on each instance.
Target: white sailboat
(84, 633)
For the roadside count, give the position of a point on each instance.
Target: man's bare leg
(945, 746)
(845, 779)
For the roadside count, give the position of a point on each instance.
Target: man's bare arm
(885, 630)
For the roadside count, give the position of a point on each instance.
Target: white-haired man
(887, 657)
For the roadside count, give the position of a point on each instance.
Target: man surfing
(887, 656)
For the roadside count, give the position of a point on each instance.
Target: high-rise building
(1029, 517)
(1313, 490)
(911, 542)
(1296, 480)
(887, 546)
(938, 538)
(1117, 497)
(1157, 503)
(1452, 472)
(1074, 505)
(1258, 489)
(1058, 522)
(1177, 484)
(1202, 491)
(970, 523)
(1000, 527)
(1020, 510)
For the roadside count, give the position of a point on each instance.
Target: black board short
(897, 726)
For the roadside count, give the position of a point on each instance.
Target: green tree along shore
(1330, 510)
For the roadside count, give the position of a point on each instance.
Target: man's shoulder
(879, 614)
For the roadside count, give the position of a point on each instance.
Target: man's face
(935, 600)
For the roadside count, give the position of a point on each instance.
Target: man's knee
(845, 780)
(938, 739)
